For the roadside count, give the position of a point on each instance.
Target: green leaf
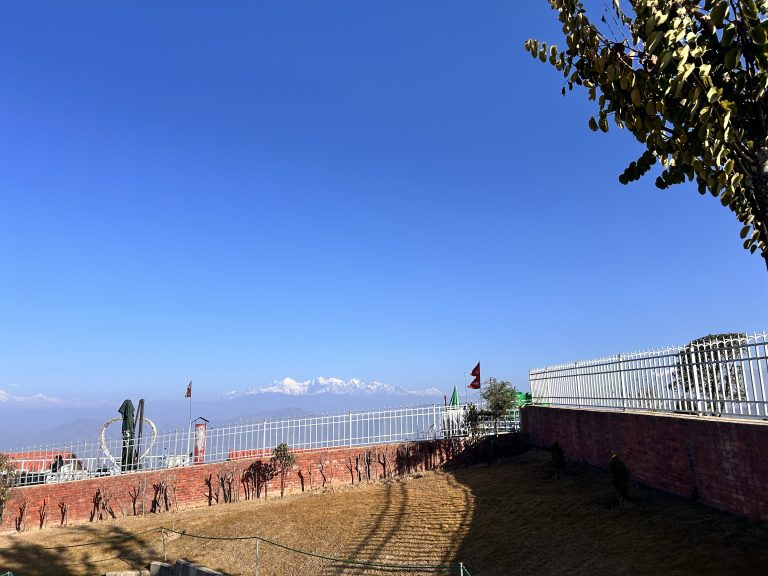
(665, 60)
(732, 57)
(719, 12)
(593, 124)
(744, 232)
(713, 95)
(729, 33)
(627, 80)
(553, 55)
(654, 39)
(688, 70)
(759, 36)
(762, 59)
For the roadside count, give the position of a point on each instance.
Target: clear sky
(239, 192)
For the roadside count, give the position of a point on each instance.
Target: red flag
(189, 390)
(475, 384)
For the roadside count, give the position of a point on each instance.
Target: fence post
(264, 439)
(695, 364)
(623, 386)
(578, 384)
(461, 568)
(258, 557)
(350, 429)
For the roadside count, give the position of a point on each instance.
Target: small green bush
(619, 476)
(472, 420)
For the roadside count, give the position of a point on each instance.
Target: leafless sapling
(20, 521)
(42, 513)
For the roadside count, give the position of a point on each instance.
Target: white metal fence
(724, 374)
(110, 456)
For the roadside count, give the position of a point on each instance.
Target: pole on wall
(140, 427)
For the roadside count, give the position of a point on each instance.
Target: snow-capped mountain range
(7, 399)
(320, 385)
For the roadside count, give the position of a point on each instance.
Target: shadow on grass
(121, 550)
(387, 523)
(526, 520)
(403, 528)
(392, 521)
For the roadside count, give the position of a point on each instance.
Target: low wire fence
(255, 554)
(717, 375)
(107, 456)
(279, 558)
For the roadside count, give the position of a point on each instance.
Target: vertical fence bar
(264, 440)
(760, 373)
(623, 384)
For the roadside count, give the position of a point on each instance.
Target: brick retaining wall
(188, 488)
(720, 461)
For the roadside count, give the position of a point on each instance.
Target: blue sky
(239, 192)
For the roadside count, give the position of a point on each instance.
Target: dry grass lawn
(512, 517)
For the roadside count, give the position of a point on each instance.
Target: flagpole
(189, 422)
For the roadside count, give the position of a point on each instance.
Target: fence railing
(724, 374)
(110, 456)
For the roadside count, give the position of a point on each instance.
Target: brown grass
(514, 517)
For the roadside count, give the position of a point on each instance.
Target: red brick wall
(191, 489)
(721, 462)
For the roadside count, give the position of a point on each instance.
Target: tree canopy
(282, 459)
(500, 397)
(688, 79)
(710, 369)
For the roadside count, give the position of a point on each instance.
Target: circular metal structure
(103, 442)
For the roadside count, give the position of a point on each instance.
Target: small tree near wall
(282, 459)
(472, 420)
(500, 397)
(6, 479)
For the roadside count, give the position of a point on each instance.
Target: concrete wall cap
(160, 569)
